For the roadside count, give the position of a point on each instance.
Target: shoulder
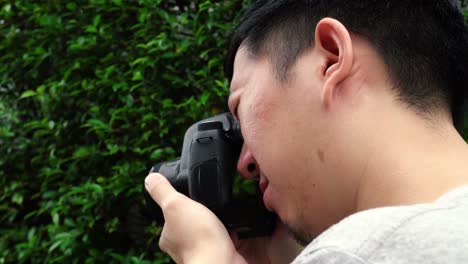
(396, 234)
(330, 255)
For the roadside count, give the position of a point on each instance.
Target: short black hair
(423, 43)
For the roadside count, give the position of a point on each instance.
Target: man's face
(287, 144)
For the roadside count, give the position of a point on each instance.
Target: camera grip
(170, 170)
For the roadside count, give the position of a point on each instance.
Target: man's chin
(300, 236)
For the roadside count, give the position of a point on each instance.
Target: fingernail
(149, 181)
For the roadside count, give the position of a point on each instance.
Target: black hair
(423, 43)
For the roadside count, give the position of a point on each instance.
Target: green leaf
(137, 76)
(17, 199)
(96, 20)
(28, 93)
(157, 154)
(7, 8)
(55, 218)
(71, 6)
(82, 152)
(166, 103)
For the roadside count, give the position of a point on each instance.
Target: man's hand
(191, 233)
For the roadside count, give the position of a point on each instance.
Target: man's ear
(333, 41)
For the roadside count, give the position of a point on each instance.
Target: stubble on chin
(300, 236)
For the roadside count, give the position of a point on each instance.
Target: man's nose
(247, 165)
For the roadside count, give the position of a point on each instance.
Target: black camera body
(205, 173)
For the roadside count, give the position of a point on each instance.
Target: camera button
(204, 140)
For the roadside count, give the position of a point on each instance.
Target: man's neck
(412, 163)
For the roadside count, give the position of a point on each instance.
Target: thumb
(160, 189)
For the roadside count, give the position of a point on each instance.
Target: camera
(205, 172)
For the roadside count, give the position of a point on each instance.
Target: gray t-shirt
(424, 233)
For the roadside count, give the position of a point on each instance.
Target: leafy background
(92, 93)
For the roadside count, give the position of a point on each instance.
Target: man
(347, 110)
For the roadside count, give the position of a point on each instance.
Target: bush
(91, 93)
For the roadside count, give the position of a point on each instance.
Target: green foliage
(91, 94)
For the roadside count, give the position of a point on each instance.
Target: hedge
(92, 93)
